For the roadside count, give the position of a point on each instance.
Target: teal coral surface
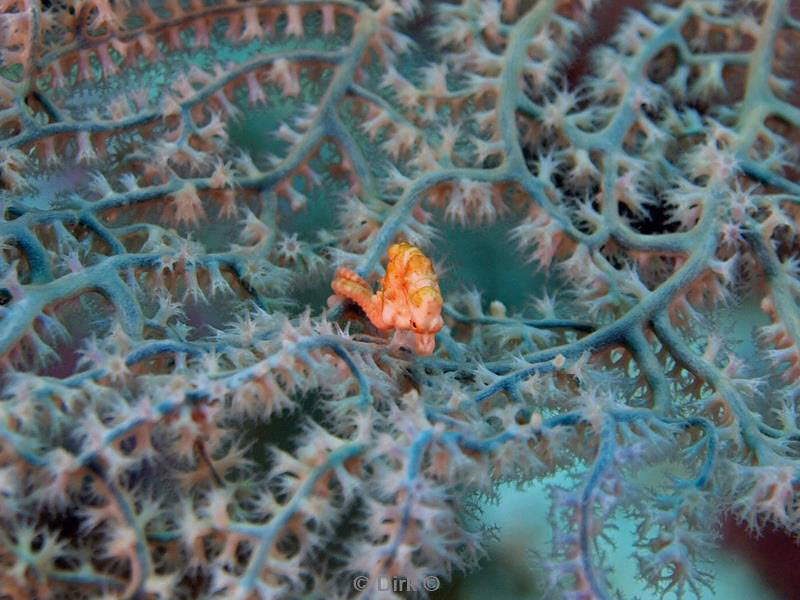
(186, 409)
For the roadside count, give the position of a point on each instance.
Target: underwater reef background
(609, 196)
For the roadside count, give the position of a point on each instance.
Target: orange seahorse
(409, 298)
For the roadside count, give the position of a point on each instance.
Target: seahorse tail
(353, 290)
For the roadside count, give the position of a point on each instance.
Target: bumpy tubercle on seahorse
(409, 298)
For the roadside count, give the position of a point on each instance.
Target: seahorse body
(409, 298)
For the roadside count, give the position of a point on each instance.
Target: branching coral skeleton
(182, 415)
